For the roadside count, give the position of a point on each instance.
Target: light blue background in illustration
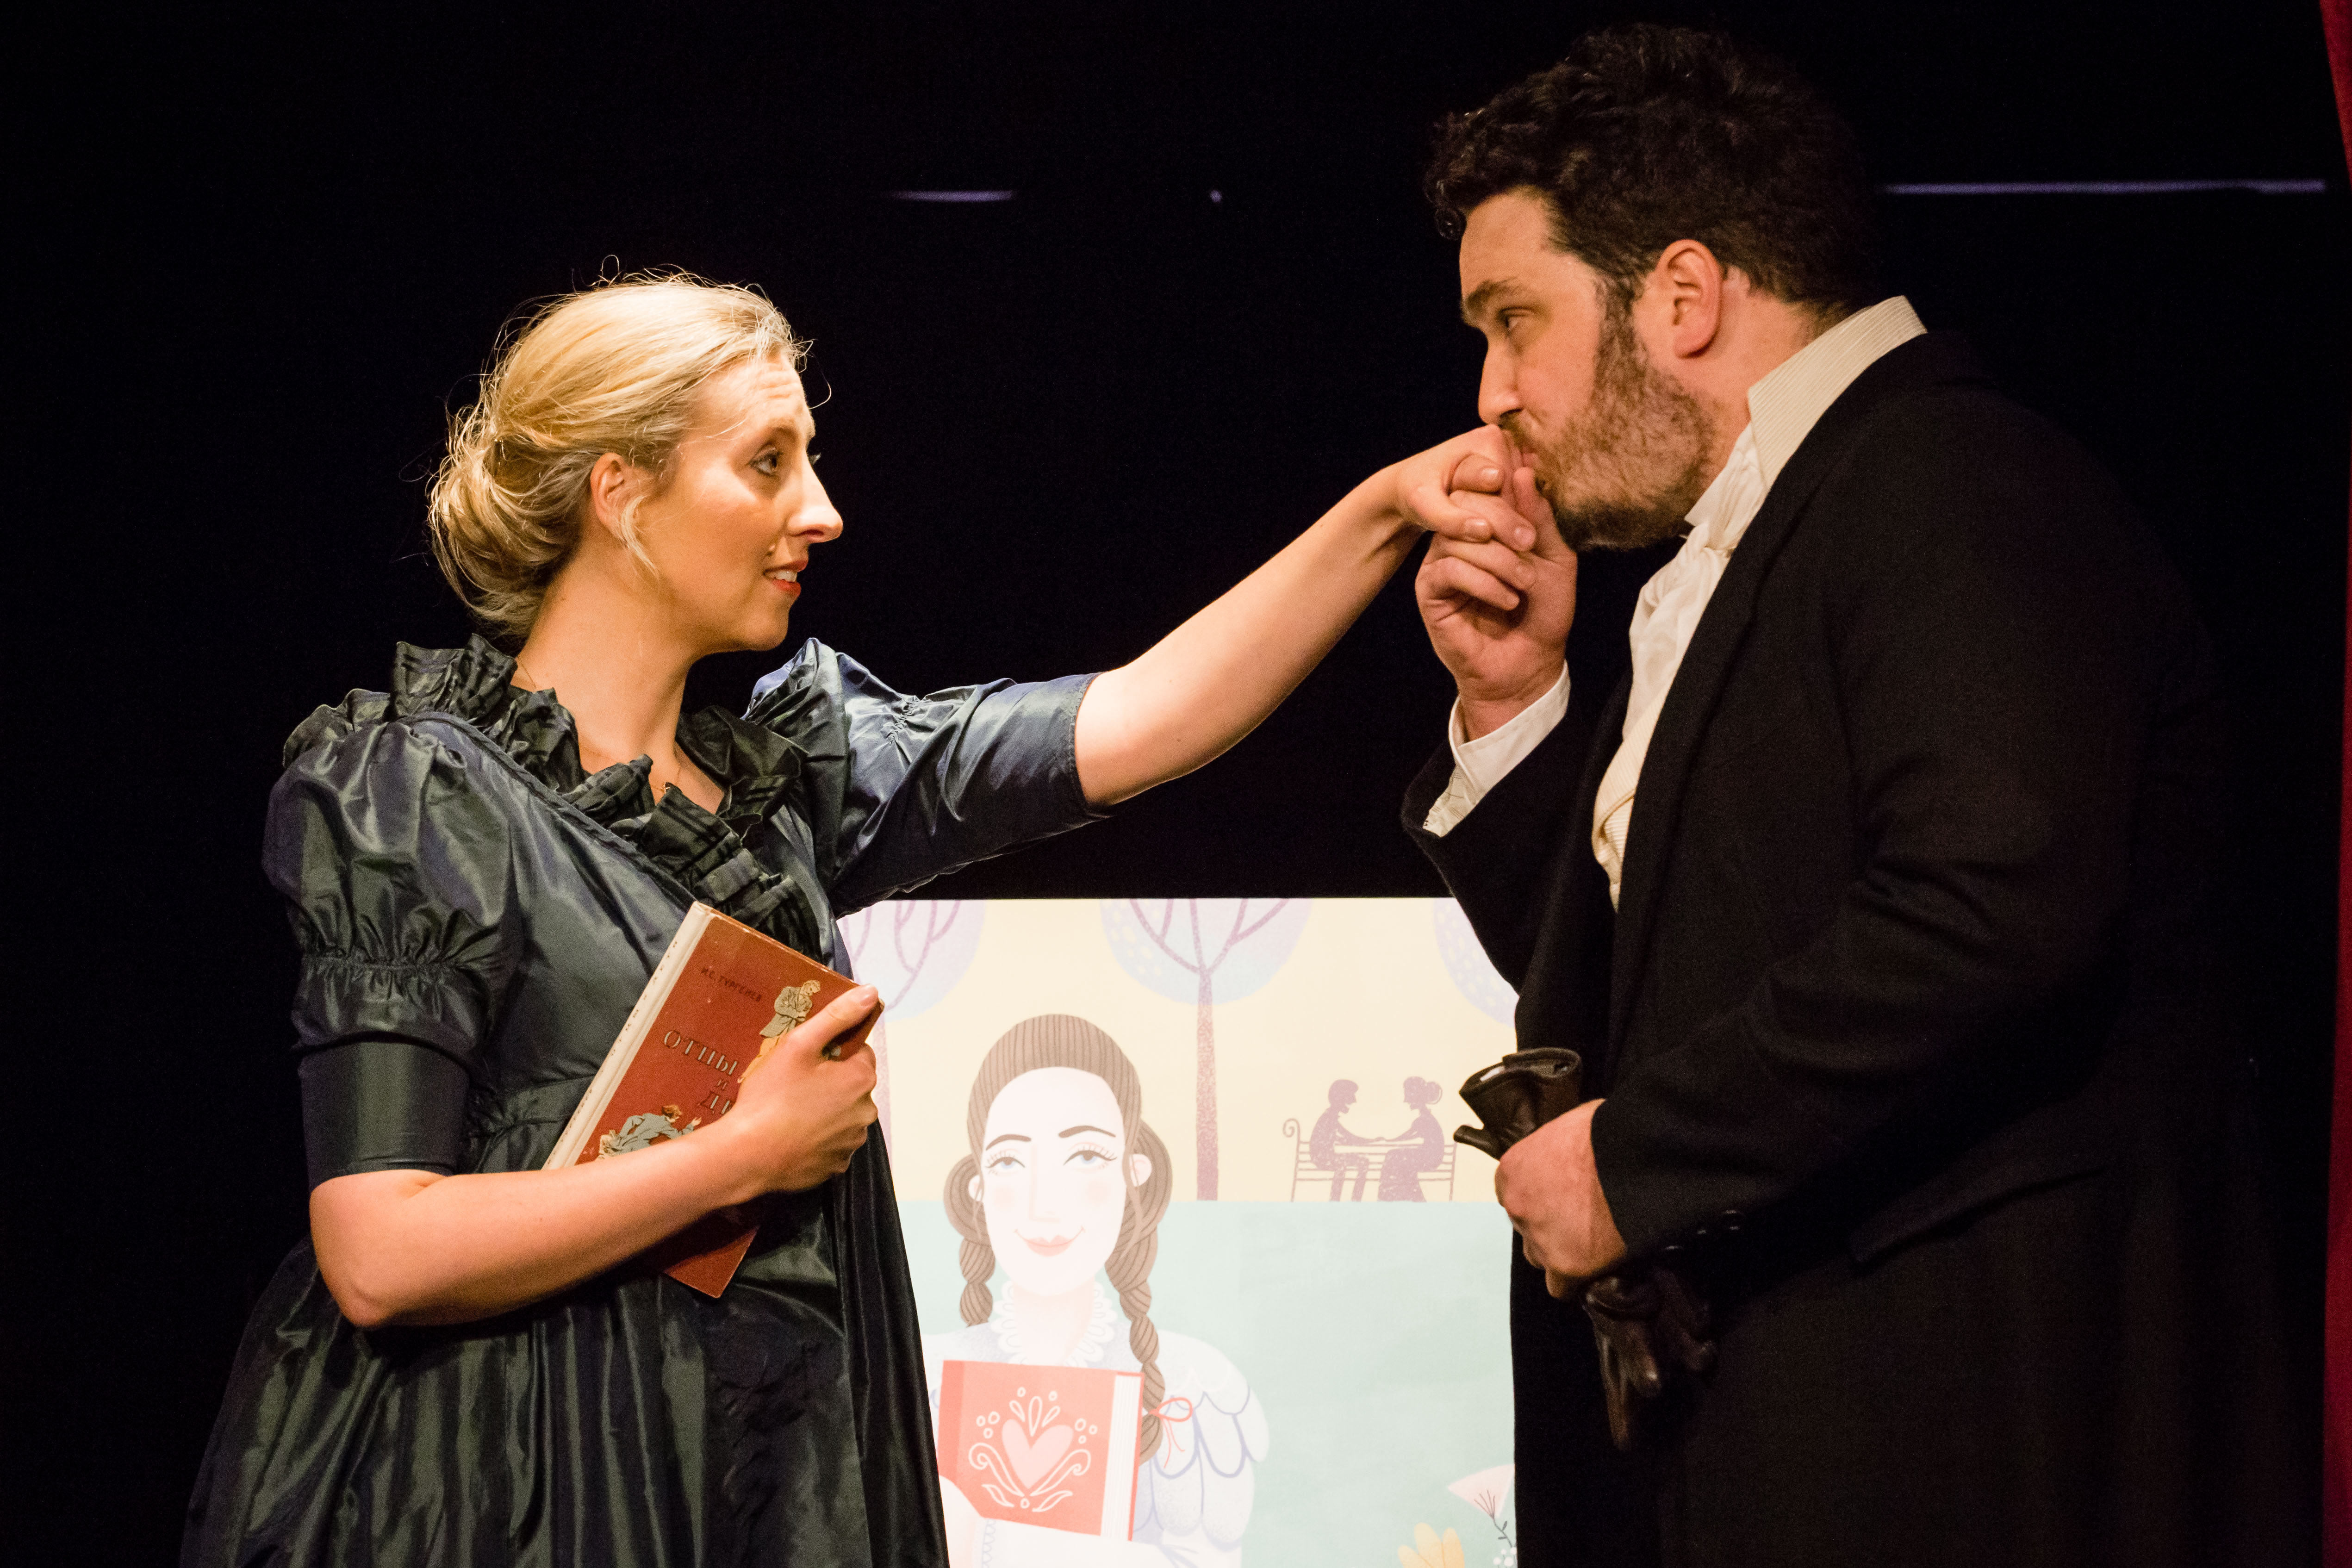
(1376, 1335)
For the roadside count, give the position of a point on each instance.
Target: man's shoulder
(1927, 413)
(1963, 455)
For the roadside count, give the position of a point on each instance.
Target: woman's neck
(621, 673)
(1050, 1327)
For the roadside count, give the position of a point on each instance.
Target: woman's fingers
(1469, 516)
(1458, 489)
(818, 1034)
(1474, 470)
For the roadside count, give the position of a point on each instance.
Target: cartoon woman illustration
(1421, 1147)
(1065, 1181)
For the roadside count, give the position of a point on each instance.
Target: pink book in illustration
(1050, 1446)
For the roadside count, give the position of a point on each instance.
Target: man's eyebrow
(1082, 1127)
(1008, 1138)
(1475, 303)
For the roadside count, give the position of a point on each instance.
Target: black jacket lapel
(1937, 358)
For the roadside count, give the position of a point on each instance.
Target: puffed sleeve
(1202, 1483)
(395, 873)
(901, 789)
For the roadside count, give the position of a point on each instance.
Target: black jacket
(1912, 1028)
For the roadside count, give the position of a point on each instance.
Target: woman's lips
(1049, 1248)
(787, 582)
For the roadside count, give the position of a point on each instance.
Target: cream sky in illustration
(1366, 993)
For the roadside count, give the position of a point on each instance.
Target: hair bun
(612, 369)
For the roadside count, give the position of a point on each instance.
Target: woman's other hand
(800, 1114)
(415, 1247)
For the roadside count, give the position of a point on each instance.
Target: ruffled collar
(716, 855)
(1092, 1342)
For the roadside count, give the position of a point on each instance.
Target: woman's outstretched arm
(415, 1247)
(1214, 678)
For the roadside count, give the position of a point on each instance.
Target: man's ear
(1686, 289)
(1140, 1167)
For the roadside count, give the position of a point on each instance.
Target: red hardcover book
(1050, 1446)
(719, 999)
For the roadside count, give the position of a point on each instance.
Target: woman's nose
(816, 518)
(1041, 1199)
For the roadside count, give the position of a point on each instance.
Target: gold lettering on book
(711, 971)
(696, 1051)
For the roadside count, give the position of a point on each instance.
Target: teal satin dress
(475, 916)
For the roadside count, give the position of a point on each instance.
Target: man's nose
(1498, 391)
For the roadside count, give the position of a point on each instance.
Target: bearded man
(1880, 900)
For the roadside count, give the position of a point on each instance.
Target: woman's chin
(1063, 1277)
(754, 636)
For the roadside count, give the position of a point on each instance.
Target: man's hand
(1547, 1183)
(1497, 616)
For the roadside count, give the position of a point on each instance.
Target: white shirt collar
(1784, 407)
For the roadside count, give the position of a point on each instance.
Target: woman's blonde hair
(614, 368)
(1059, 1040)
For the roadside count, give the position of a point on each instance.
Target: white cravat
(1663, 620)
(1782, 410)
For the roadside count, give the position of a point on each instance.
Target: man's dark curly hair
(1644, 135)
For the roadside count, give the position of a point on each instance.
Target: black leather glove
(1645, 1320)
(1519, 1094)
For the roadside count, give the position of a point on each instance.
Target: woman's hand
(415, 1247)
(1456, 491)
(1214, 678)
(799, 1115)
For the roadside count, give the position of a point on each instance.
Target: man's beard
(1627, 472)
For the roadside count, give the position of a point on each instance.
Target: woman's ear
(1140, 1165)
(972, 1186)
(612, 486)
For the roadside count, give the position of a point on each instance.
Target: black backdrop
(271, 255)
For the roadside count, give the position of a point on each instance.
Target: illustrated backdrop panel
(1330, 1282)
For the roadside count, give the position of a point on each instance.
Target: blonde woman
(1062, 1190)
(482, 865)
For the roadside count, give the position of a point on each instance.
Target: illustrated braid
(1133, 1283)
(977, 1258)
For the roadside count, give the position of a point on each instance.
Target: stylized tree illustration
(1197, 937)
(897, 947)
(1466, 963)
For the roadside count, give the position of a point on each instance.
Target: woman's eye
(1003, 1164)
(1088, 1157)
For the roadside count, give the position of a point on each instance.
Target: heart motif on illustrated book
(1033, 1461)
(1032, 1453)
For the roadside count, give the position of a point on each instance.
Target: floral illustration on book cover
(1043, 1445)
